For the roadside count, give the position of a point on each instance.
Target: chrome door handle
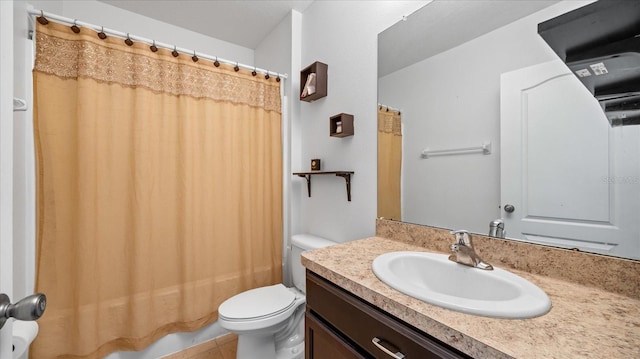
(396, 355)
(29, 308)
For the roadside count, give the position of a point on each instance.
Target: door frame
(6, 166)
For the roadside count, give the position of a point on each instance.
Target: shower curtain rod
(122, 35)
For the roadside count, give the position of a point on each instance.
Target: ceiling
(445, 24)
(244, 23)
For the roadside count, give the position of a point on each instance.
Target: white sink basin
(432, 278)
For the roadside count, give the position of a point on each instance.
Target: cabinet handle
(377, 341)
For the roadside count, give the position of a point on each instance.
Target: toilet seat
(258, 308)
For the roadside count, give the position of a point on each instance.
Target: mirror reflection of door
(567, 192)
(389, 163)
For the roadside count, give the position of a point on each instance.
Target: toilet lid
(257, 303)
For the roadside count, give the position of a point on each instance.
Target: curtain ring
(75, 27)
(236, 68)
(174, 52)
(194, 57)
(128, 40)
(254, 73)
(41, 19)
(101, 34)
(278, 78)
(216, 63)
(153, 47)
(387, 108)
(266, 77)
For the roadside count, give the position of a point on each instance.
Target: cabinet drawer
(361, 323)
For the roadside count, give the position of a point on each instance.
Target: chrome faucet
(496, 228)
(464, 253)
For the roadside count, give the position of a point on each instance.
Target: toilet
(269, 320)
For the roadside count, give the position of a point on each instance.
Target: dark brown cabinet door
(322, 343)
(373, 332)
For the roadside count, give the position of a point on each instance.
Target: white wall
(6, 167)
(343, 34)
(280, 51)
(24, 176)
(453, 100)
(111, 17)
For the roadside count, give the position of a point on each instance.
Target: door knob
(29, 308)
(509, 208)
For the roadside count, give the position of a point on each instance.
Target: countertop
(584, 322)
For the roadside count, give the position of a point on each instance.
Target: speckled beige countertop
(584, 322)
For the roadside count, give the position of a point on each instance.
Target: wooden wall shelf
(341, 125)
(320, 69)
(344, 174)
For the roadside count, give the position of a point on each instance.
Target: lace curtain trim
(62, 53)
(389, 122)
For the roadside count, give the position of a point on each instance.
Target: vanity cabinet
(341, 325)
(323, 342)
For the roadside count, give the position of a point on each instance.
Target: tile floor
(219, 348)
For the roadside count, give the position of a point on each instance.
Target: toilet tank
(299, 244)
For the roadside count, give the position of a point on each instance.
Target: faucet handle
(462, 237)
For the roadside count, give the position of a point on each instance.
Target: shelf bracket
(308, 178)
(347, 178)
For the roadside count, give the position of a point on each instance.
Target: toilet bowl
(269, 320)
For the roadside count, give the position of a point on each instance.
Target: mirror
(457, 73)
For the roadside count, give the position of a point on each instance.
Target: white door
(572, 180)
(6, 166)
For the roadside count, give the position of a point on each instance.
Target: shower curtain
(159, 191)
(389, 164)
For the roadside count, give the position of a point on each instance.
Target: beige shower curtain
(159, 185)
(389, 163)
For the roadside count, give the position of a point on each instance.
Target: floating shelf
(344, 174)
(341, 125)
(320, 69)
